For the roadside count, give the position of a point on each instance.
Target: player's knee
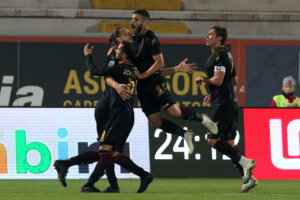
(174, 111)
(156, 123)
(115, 154)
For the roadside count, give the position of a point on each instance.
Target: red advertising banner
(272, 139)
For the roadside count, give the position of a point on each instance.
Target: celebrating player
(221, 80)
(151, 87)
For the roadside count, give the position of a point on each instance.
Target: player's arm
(206, 100)
(157, 65)
(217, 78)
(109, 73)
(181, 67)
(120, 88)
(219, 72)
(153, 45)
(87, 51)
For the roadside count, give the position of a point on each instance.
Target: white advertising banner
(31, 139)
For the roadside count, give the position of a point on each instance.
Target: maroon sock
(128, 164)
(106, 160)
(84, 158)
(189, 114)
(185, 113)
(172, 128)
(228, 150)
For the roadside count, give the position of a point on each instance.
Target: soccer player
(101, 115)
(151, 87)
(118, 125)
(221, 78)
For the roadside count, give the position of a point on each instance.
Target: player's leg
(164, 124)
(151, 101)
(62, 166)
(169, 127)
(248, 183)
(106, 160)
(108, 140)
(153, 96)
(188, 114)
(174, 110)
(225, 115)
(252, 182)
(124, 161)
(226, 149)
(101, 113)
(97, 173)
(118, 129)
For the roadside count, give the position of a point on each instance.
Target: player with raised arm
(151, 88)
(119, 123)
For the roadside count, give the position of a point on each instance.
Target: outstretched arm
(181, 67)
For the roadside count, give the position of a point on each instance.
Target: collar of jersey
(128, 63)
(145, 31)
(222, 46)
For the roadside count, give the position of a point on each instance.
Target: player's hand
(88, 49)
(123, 92)
(199, 80)
(188, 68)
(111, 49)
(206, 101)
(137, 73)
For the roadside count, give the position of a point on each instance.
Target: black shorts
(154, 95)
(226, 116)
(117, 128)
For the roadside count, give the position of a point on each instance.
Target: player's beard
(119, 58)
(139, 29)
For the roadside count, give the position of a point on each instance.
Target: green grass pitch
(160, 189)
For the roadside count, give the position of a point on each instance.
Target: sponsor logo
(27, 95)
(276, 136)
(272, 139)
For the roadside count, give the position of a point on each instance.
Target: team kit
(135, 60)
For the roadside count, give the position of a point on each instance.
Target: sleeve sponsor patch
(220, 68)
(111, 63)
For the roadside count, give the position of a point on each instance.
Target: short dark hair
(143, 13)
(221, 31)
(113, 37)
(130, 49)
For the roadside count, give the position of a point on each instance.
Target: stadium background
(42, 66)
